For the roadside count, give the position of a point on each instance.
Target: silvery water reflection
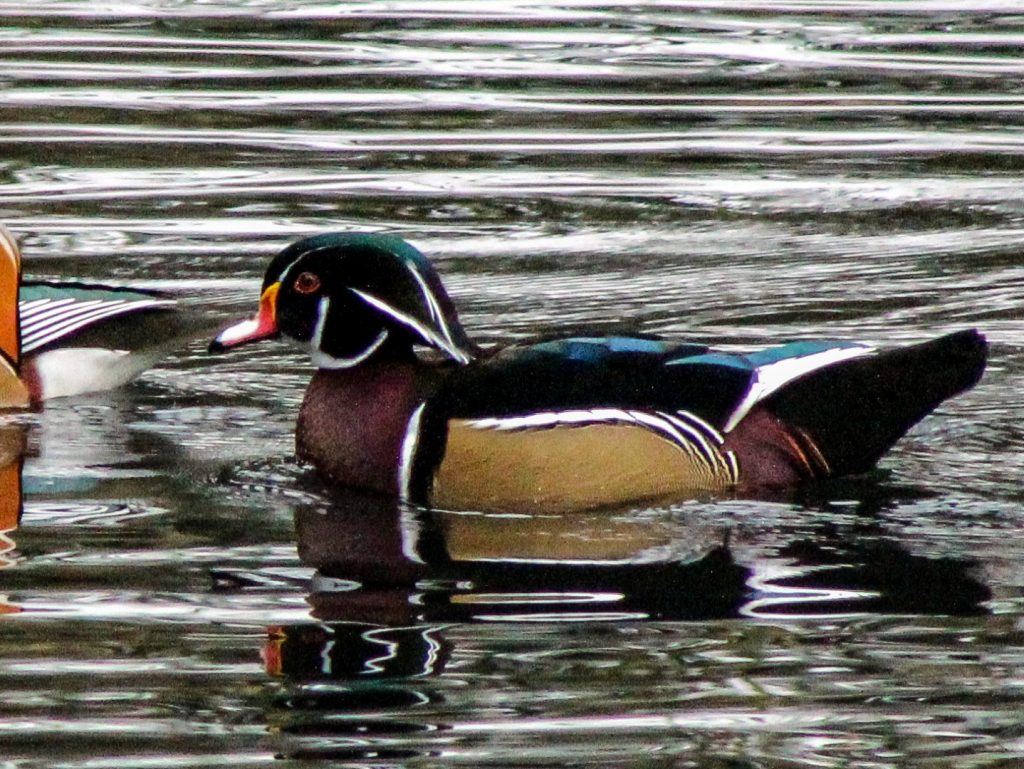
(742, 173)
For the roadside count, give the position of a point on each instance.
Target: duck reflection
(68, 459)
(352, 651)
(830, 576)
(389, 576)
(394, 588)
(413, 565)
(12, 449)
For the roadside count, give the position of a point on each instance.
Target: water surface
(182, 593)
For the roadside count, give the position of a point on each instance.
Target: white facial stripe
(432, 305)
(414, 324)
(321, 320)
(303, 255)
(322, 359)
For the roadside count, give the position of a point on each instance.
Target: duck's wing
(54, 314)
(79, 338)
(767, 371)
(845, 404)
(854, 407)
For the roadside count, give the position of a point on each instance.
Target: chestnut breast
(353, 421)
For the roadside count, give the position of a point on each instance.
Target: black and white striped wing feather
(46, 321)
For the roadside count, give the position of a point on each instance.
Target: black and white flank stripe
(695, 437)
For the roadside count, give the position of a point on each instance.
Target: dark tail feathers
(856, 410)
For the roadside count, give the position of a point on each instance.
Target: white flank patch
(409, 522)
(768, 379)
(696, 435)
(75, 370)
(552, 418)
(409, 443)
(686, 415)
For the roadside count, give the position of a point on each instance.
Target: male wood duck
(574, 422)
(64, 338)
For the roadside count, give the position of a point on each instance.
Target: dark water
(181, 593)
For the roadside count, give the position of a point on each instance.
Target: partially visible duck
(65, 338)
(574, 422)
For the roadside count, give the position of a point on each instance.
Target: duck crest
(397, 282)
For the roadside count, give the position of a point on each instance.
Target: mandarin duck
(68, 338)
(571, 422)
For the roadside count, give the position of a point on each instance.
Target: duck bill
(263, 326)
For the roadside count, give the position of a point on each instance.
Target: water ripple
(713, 170)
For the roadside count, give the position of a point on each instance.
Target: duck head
(352, 297)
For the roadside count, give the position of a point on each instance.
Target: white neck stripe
(409, 445)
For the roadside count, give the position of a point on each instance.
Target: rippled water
(181, 592)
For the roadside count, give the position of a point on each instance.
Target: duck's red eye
(307, 283)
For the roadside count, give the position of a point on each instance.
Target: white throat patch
(322, 359)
